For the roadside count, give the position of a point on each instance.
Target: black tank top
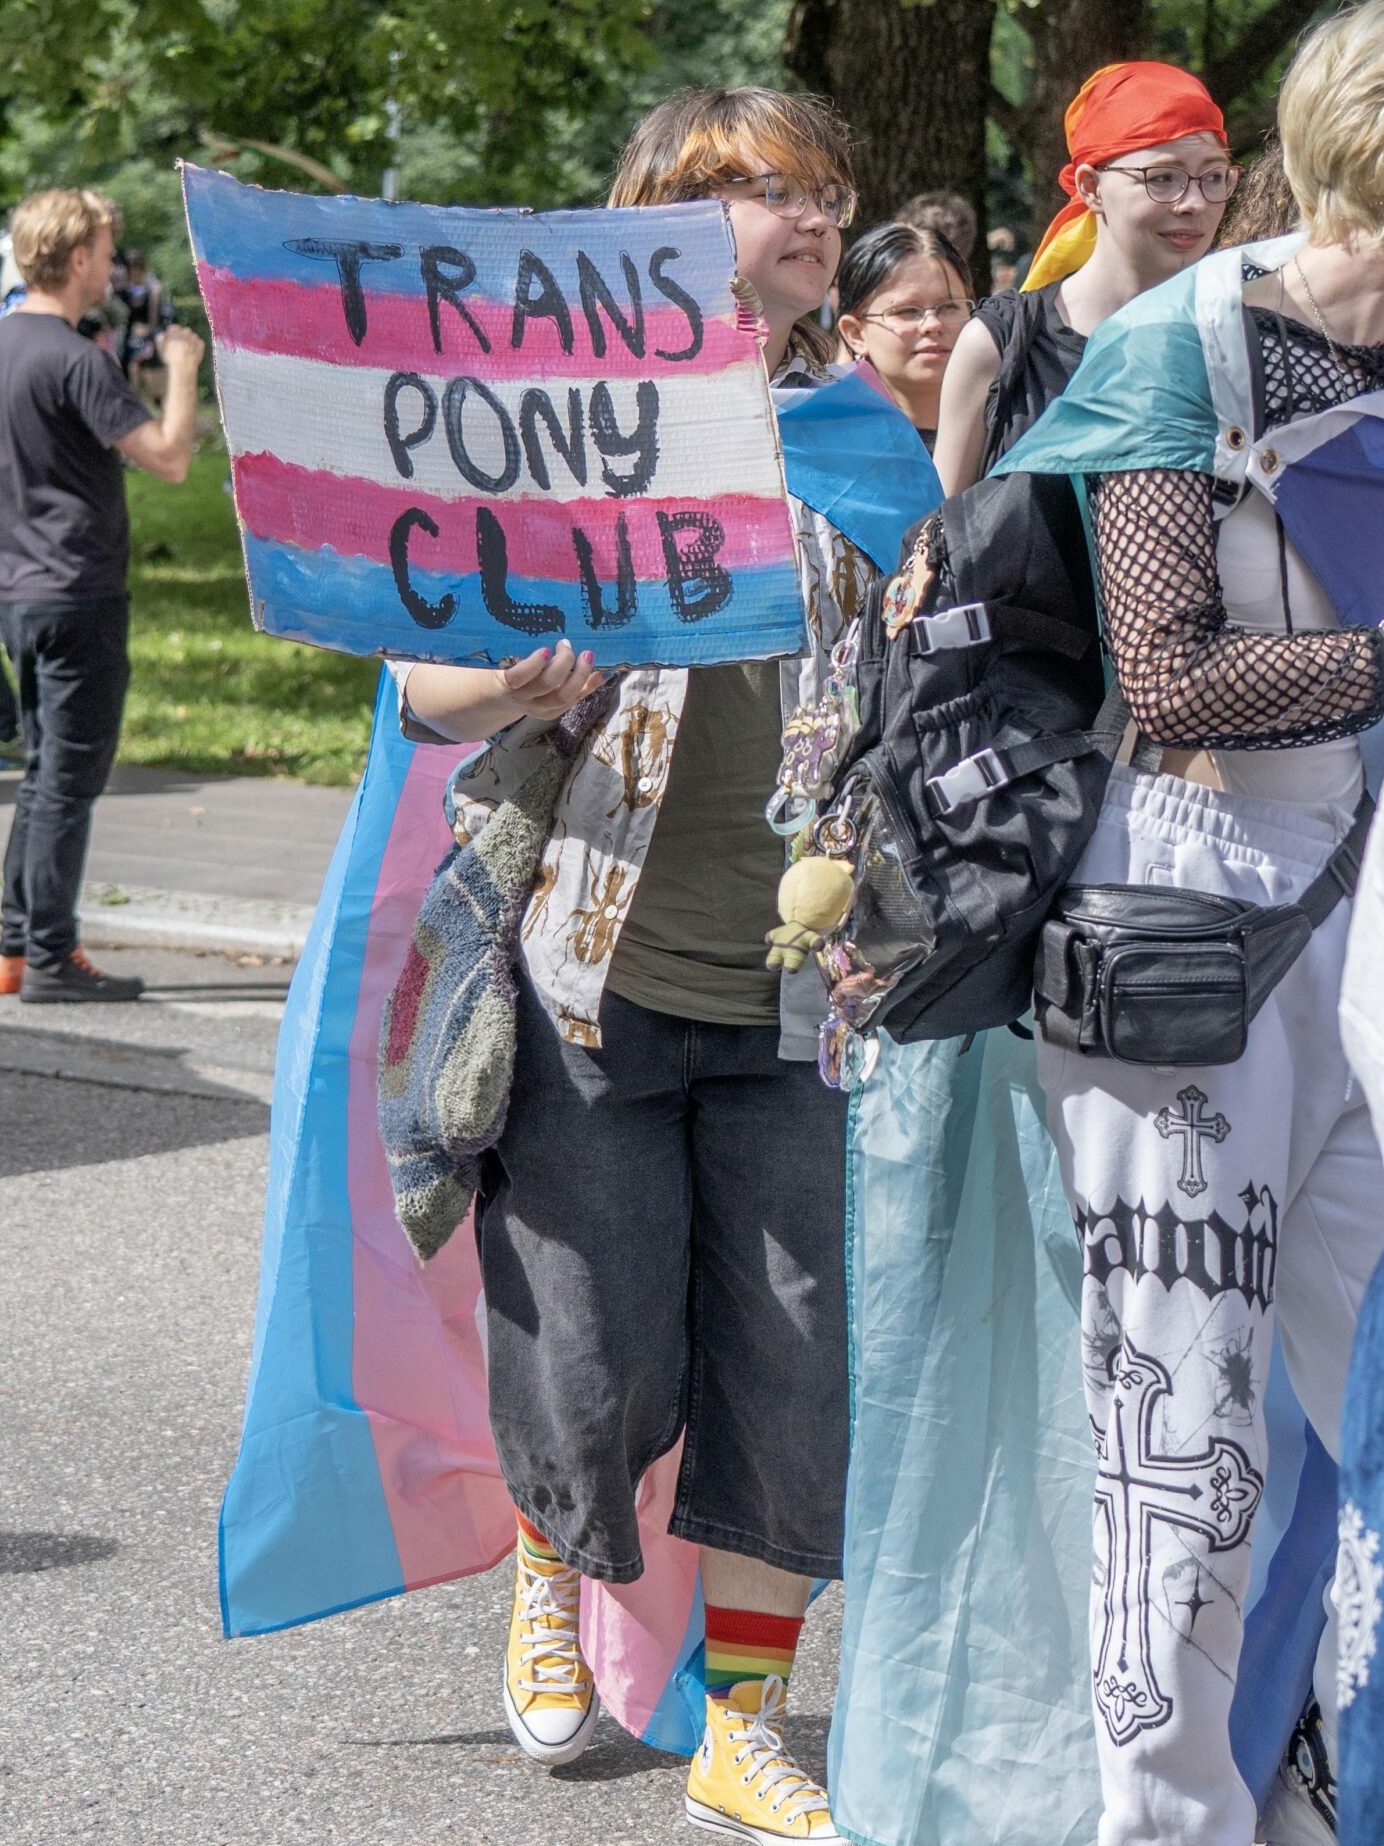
(1038, 354)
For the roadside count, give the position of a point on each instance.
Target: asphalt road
(132, 1165)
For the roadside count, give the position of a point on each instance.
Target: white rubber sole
(715, 1822)
(551, 1755)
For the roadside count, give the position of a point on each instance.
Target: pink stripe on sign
(308, 323)
(418, 1368)
(310, 508)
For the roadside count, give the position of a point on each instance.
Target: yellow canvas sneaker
(743, 1782)
(550, 1694)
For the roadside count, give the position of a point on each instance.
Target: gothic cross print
(1213, 1494)
(1194, 1129)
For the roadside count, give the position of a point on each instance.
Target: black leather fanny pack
(1153, 975)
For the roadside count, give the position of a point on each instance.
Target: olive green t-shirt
(693, 942)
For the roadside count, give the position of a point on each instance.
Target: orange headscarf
(1121, 108)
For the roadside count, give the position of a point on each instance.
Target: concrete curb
(130, 916)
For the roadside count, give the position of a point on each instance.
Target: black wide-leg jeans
(662, 1241)
(72, 664)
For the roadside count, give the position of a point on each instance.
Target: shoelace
(552, 1653)
(771, 1762)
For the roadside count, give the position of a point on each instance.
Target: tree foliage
(317, 75)
(499, 101)
(1238, 48)
(528, 101)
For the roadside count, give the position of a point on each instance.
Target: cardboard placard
(458, 435)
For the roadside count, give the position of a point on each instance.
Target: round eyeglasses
(1169, 185)
(903, 321)
(789, 198)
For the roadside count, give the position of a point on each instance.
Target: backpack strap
(975, 777)
(978, 624)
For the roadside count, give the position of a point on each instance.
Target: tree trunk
(914, 83)
(1071, 40)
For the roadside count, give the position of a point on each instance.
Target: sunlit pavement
(131, 1187)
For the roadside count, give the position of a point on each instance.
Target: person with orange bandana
(1147, 182)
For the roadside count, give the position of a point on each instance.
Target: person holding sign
(661, 1223)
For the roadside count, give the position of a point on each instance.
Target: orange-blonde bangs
(697, 139)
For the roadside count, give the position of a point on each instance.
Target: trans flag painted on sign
(456, 435)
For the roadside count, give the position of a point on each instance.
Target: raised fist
(181, 346)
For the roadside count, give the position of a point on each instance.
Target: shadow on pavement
(125, 779)
(446, 1737)
(614, 1755)
(51, 1123)
(25, 1552)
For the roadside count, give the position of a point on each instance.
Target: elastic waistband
(1285, 833)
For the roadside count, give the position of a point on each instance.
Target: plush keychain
(814, 898)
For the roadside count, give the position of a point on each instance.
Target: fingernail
(588, 659)
(546, 652)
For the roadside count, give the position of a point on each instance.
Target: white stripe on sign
(558, 439)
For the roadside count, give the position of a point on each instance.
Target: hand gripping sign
(457, 435)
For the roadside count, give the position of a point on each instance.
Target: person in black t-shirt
(67, 416)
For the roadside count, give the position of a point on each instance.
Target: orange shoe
(11, 973)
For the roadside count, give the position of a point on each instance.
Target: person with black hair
(903, 297)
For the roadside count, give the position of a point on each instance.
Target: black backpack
(973, 782)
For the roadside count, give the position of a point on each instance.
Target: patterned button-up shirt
(609, 806)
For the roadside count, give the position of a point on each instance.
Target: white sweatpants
(1206, 1200)
(1362, 991)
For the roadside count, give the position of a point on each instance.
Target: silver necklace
(1320, 319)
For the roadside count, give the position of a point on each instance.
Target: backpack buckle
(967, 625)
(969, 780)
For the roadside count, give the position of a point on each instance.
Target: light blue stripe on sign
(250, 232)
(353, 605)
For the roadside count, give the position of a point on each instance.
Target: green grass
(208, 694)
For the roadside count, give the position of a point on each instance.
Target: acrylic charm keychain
(814, 741)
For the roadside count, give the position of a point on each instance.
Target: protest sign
(458, 435)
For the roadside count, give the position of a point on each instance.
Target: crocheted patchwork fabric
(447, 1039)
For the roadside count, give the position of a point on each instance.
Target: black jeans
(72, 666)
(662, 1237)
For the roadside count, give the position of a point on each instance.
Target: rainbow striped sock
(743, 1644)
(534, 1543)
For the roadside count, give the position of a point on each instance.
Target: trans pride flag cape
(963, 1712)
(366, 1466)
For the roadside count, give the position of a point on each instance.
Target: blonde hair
(696, 139)
(1331, 119)
(48, 226)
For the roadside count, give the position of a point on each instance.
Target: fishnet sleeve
(1191, 677)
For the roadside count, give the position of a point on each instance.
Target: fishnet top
(1191, 676)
